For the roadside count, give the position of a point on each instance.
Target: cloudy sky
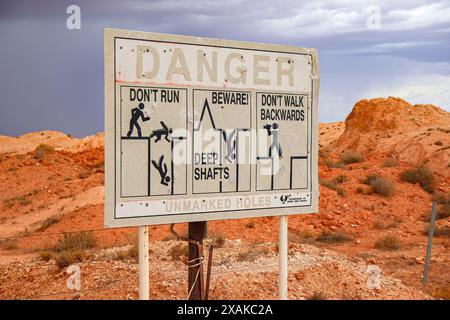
(52, 77)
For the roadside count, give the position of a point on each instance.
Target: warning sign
(203, 129)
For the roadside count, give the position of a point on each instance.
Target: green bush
(421, 175)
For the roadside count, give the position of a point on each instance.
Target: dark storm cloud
(52, 77)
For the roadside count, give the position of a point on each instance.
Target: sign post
(144, 274)
(283, 258)
(201, 129)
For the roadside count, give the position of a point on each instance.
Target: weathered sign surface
(206, 129)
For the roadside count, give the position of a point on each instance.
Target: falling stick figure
(136, 114)
(162, 169)
(165, 131)
(274, 131)
(231, 144)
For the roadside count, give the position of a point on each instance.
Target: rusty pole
(197, 232)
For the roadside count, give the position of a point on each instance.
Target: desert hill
(60, 189)
(416, 134)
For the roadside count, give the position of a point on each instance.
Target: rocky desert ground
(379, 172)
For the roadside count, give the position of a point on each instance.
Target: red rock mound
(412, 133)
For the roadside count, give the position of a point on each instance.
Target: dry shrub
(85, 173)
(333, 186)
(388, 243)
(380, 185)
(340, 178)
(66, 258)
(333, 237)
(250, 224)
(72, 248)
(317, 295)
(439, 143)
(218, 241)
(42, 150)
(47, 223)
(350, 156)
(252, 254)
(390, 162)
(421, 175)
(8, 244)
(442, 232)
(76, 241)
(46, 255)
(131, 253)
(178, 251)
(332, 164)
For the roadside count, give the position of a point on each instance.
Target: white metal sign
(204, 129)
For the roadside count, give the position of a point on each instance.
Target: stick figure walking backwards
(274, 131)
(231, 145)
(162, 169)
(136, 114)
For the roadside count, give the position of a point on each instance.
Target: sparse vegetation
(317, 295)
(359, 190)
(442, 232)
(380, 185)
(178, 251)
(350, 156)
(218, 240)
(131, 253)
(66, 258)
(46, 255)
(333, 186)
(47, 223)
(85, 173)
(250, 224)
(8, 244)
(390, 162)
(388, 243)
(332, 164)
(439, 143)
(73, 248)
(23, 200)
(42, 150)
(333, 237)
(421, 175)
(340, 178)
(76, 241)
(252, 254)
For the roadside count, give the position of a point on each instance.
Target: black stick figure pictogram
(162, 169)
(136, 114)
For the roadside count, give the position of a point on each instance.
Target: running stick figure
(136, 114)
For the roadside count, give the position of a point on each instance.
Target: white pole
(144, 288)
(283, 256)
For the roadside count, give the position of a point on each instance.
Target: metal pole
(283, 256)
(197, 232)
(430, 242)
(144, 288)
